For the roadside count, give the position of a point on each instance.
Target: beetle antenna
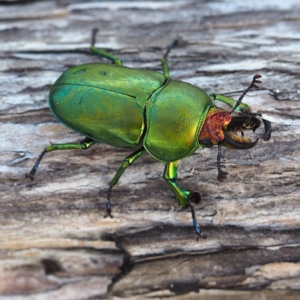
(253, 84)
(221, 174)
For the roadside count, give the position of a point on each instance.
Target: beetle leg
(195, 224)
(170, 175)
(85, 144)
(127, 162)
(102, 53)
(185, 197)
(164, 59)
(221, 174)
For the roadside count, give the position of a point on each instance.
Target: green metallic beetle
(148, 112)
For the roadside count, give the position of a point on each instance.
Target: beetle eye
(206, 142)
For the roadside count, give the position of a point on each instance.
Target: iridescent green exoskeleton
(148, 112)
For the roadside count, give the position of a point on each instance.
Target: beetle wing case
(105, 102)
(174, 119)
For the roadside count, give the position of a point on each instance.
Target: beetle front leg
(127, 162)
(185, 197)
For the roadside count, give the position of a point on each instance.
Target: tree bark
(54, 241)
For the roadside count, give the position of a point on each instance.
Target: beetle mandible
(169, 119)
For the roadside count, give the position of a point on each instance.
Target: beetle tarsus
(171, 46)
(108, 203)
(94, 33)
(36, 165)
(196, 226)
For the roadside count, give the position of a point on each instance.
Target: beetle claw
(108, 214)
(29, 175)
(108, 210)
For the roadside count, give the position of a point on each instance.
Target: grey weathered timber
(54, 241)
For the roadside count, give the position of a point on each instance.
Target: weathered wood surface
(54, 241)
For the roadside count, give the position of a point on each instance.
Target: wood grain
(54, 241)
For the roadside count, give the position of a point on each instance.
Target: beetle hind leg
(83, 145)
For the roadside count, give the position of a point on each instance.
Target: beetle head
(220, 128)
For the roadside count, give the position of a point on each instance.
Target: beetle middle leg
(185, 198)
(127, 162)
